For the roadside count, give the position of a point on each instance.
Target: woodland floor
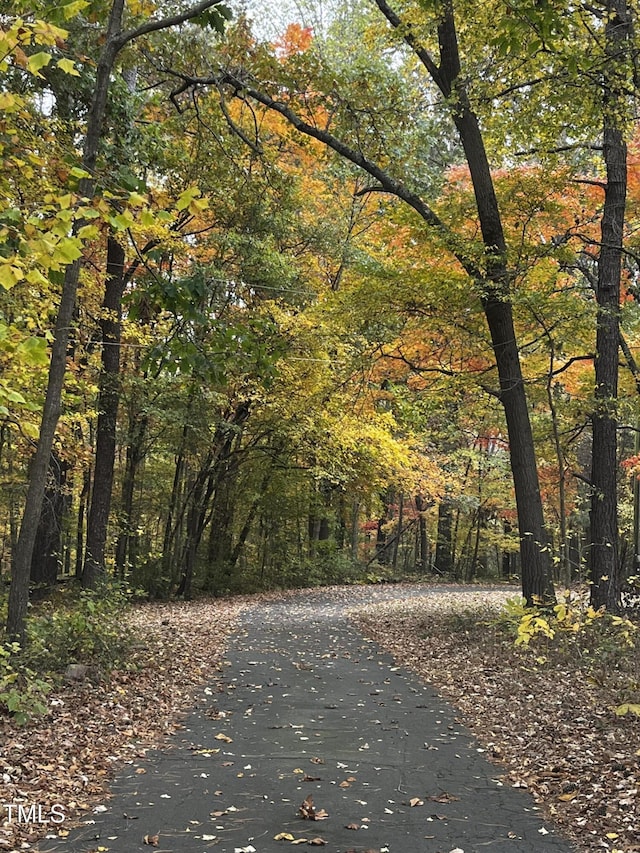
(551, 729)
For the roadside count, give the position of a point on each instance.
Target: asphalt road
(313, 733)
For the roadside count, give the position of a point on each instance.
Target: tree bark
(604, 561)
(108, 401)
(47, 551)
(423, 542)
(444, 555)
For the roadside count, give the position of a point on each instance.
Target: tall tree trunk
(108, 402)
(355, 530)
(47, 551)
(423, 542)
(605, 568)
(19, 591)
(125, 559)
(444, 553)
(537, 582)
(396, 544)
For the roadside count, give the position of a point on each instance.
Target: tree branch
(164, 23)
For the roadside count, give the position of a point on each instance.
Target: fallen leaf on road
(308, 810)
(352, 826)
(283, 836)
(151, 839)
(317, 842)
(445, 798)
(416, 801)
(224, 738)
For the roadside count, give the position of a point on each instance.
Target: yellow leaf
(186, 198)
(88, 232)
(198, 205)
(566, 798)
(68, 66)
(283, 836)
(70, 10)
(10, 275)
(38, 61)
(7, 101)
(627, 708)
(612, 835)
(224, 737)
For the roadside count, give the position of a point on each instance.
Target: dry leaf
(445, 798)
(224, 738)
(308, 810)
(283, 836)
(317, 842)
(416, 801)
(352, 826)
(153, 840)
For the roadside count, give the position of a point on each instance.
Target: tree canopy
(348, 301)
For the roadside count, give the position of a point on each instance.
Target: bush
(22, 693)
(601, 644)
(84, 627)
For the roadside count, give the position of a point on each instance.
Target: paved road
(313, 721)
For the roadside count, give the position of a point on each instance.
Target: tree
(489, 270)
(605, 564)
(114, 39)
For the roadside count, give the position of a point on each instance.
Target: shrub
(84, 627)
(22, 693)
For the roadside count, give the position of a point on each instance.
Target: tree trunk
(423, 542)
(47, 551)
(537, 582)
(604, 562)
(19, 591)
(125, 559)
(355, 530)
(444, 557)
(108, 402)
(396, 543)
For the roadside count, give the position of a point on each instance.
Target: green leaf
(38, 61)
(187, 197)
(215, 18)
(34, 351)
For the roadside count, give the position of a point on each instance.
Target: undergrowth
(575, 638)
(72, 627)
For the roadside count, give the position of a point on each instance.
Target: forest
(342, 292)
